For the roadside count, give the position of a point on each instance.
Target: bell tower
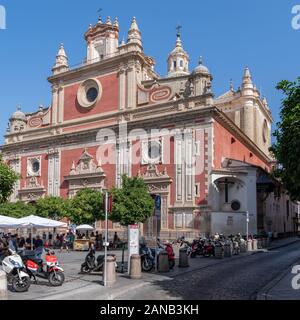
(178, 60)
(102, 40)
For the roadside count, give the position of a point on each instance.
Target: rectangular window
(178, 220)
(287, 209)
(189, 220)
(175, 64)
(197, 190)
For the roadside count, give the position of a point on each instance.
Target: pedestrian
(50, 236)
(116, 240)
(22, 244)
(38, 246)
(44, 237)
(64, 243)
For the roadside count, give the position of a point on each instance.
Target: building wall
(108, 102)
(229, 146)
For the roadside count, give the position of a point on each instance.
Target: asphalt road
(235, 279)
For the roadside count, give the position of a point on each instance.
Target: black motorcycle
(197, 248)
(147, 258)
(91, 264)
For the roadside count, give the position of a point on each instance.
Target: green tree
(287, 147)
(132, 203)
(86, 207)
(53, 207)
(17, 209)
(7, 180)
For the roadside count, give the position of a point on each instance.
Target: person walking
(64, 243)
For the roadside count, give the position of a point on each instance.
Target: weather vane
(99, 12)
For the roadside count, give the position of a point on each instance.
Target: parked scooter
(147, 258)
(50, 271)
(197, 248)
(91, 264)
(16, 272)
(209, 249)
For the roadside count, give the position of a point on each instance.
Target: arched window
(181, 63)
(174, 64)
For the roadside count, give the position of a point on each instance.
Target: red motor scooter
(51, 271)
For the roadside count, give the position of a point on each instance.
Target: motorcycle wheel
(85, 268)
(193, 255)
(56, 279)
(147, 265)
(21, 285)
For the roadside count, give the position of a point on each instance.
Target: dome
(201, 68)
(19, 115)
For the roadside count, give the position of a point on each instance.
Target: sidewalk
(281, 287)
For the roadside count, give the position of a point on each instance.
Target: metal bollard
(183, 259)
(259, 244)
(254, 245)
(243, 246)
(219, 252)
(163, 262)
(228, 250)
(111, 276)
(249, 245)
(3, 286)
(135, 267)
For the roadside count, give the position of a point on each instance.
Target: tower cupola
(178, 60)
(102, 40)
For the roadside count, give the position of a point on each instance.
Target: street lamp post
(247, 225)
(106, 238)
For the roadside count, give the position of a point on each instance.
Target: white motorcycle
(15, 270)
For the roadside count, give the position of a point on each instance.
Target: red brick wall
(107, 103)
(225, 147)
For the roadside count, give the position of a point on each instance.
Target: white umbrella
(8, 222)
(40, 223)
(85, 227)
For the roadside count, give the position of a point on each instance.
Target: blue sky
(228, 34)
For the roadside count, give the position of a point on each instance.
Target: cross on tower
(178, 28)
(226, 183)
(99, 12)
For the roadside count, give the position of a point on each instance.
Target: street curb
(263, 293)
(121, 292)
(283, 245)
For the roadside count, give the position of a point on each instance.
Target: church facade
(205, 159)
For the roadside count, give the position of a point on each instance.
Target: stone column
(179, 167)
(122, 88)
(131, 87)
(54, 104)
(60, 105)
